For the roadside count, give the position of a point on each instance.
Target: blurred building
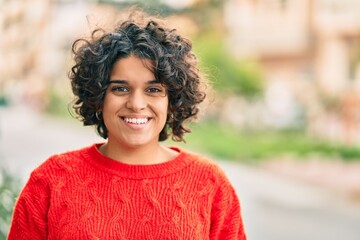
(36, 45)
(311, 47)
(313, 39)
(21, 32)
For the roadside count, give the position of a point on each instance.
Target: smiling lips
(137, 121)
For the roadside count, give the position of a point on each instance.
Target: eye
(120, 89)
(154, 90)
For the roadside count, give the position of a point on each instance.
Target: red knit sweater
(85, 195)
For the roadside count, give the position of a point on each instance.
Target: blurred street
(274, 207)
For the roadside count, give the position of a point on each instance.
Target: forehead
(132, 68)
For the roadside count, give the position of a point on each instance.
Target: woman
(137, 85)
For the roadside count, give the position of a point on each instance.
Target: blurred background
(284, 119)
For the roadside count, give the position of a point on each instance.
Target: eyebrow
(155, 81)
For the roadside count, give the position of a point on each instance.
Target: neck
(144, 155)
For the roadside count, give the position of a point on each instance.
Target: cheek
(106, 107)
(165, 107)
(109, 110)
(162, 111)
(111, 103)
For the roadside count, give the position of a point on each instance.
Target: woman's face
(135, 105)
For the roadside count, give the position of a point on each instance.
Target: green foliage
(3, 101)
(226, 142)
(150, 6)
(58, 103)
(9, 189)
(159, 6)
(226, 73)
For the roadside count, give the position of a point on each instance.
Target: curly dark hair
(175, 66)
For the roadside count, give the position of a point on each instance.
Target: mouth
(137, 121)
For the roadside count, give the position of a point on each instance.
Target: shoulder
(59, 164)
(202, 161)
(206, 167)
(207, 172)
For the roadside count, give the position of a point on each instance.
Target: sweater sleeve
(226, 220)
(30, 215)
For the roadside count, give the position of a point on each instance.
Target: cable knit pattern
(85, 195)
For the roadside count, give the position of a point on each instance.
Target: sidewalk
(278, 207)
(337, 175)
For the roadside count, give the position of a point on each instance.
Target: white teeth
(136, 120)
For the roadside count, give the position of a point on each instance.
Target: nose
(136, 101)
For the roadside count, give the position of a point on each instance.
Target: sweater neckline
(101, 162)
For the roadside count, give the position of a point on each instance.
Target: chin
(133, 143)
